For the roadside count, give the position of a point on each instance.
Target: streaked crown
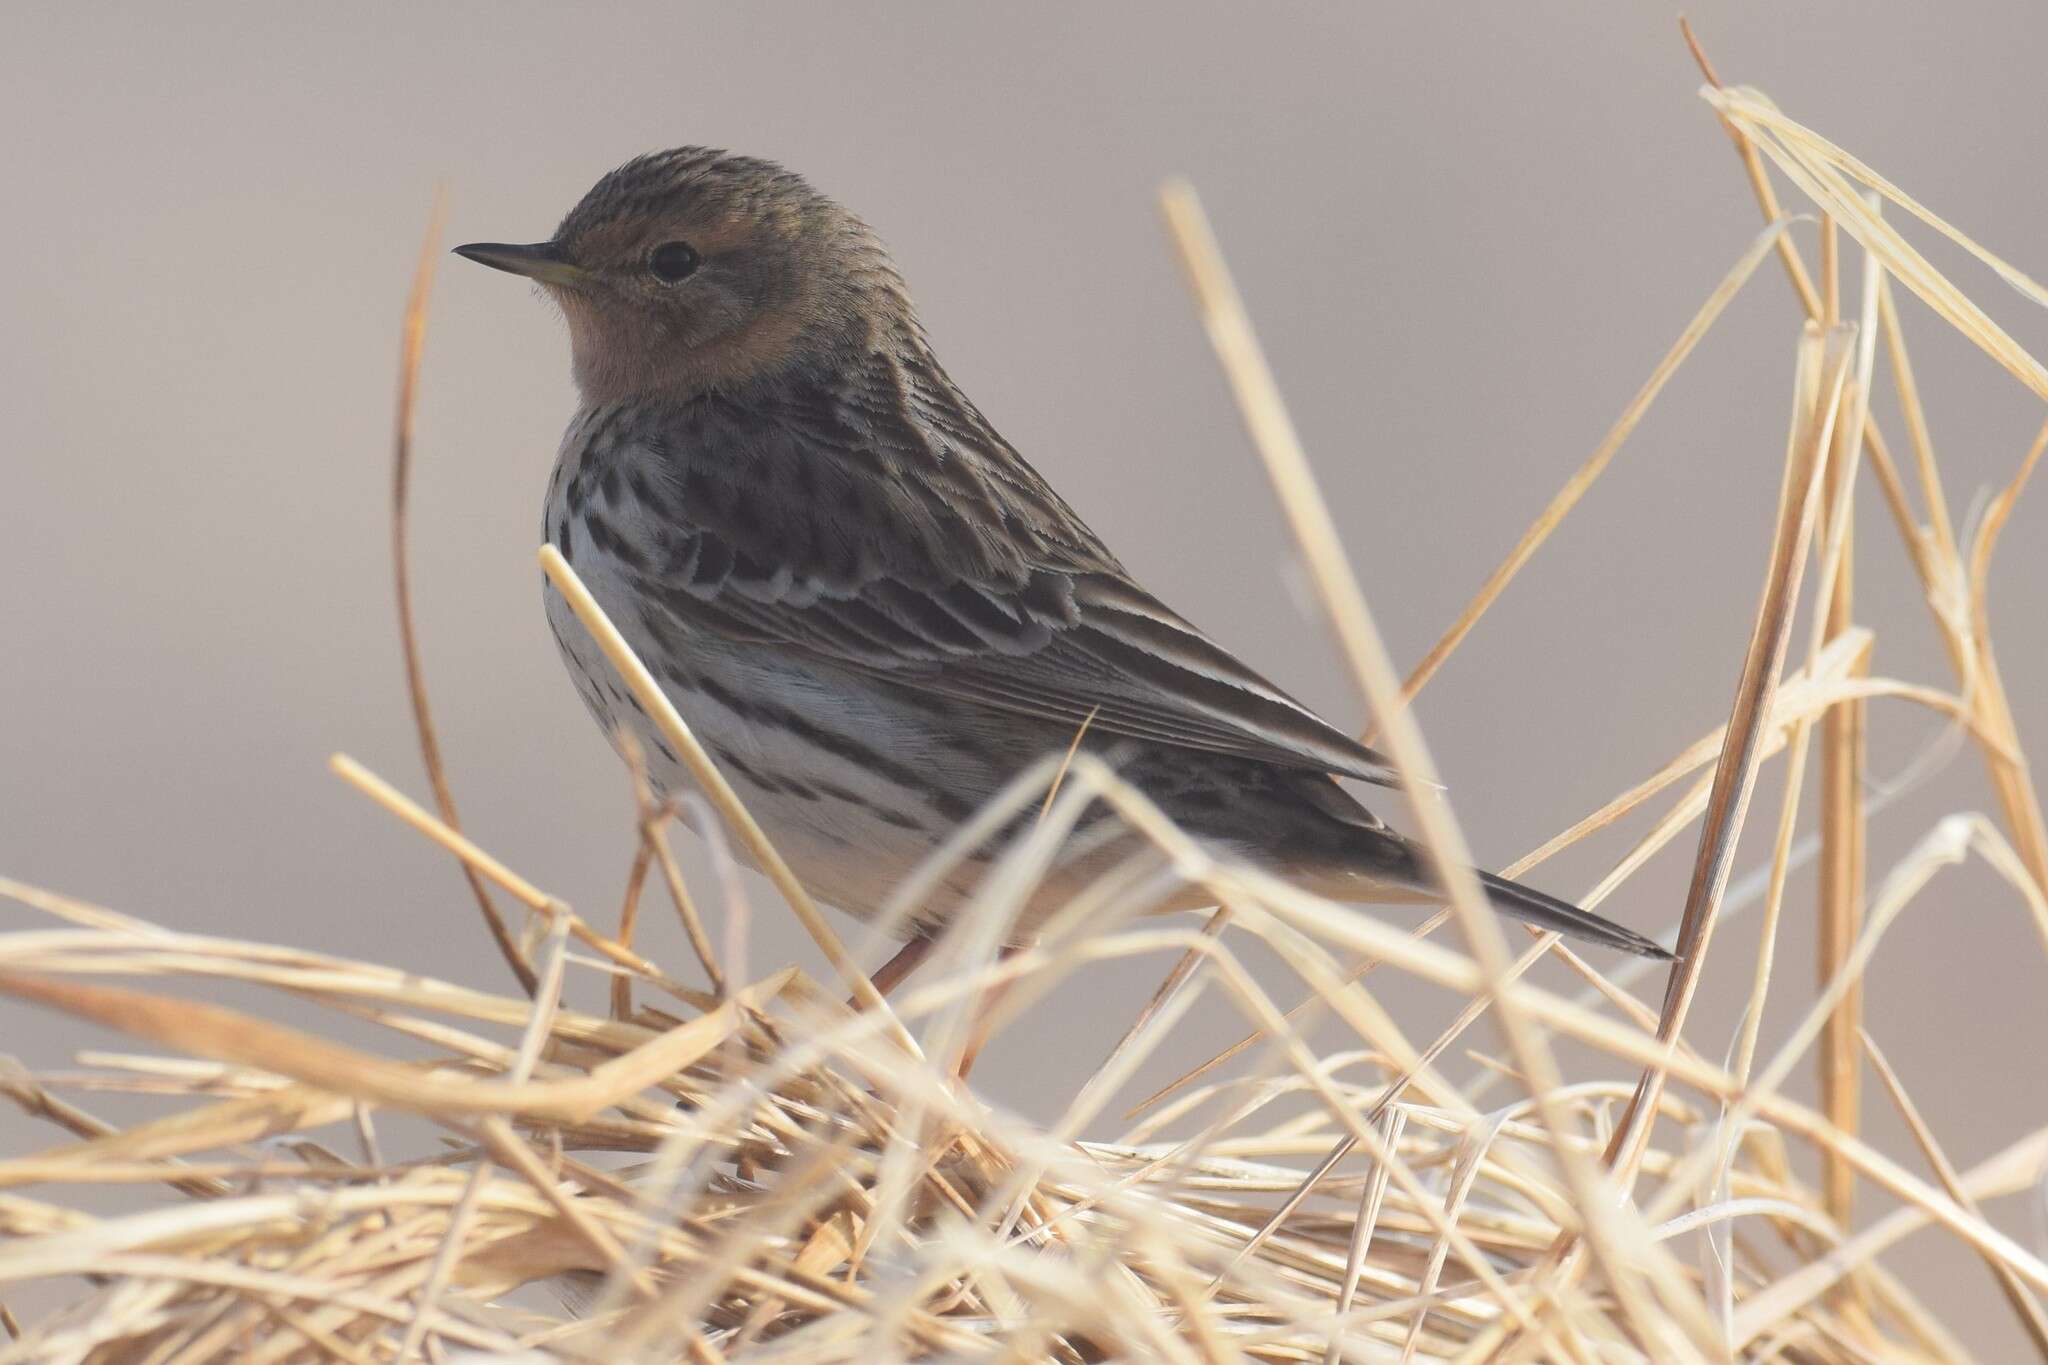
(693, 269)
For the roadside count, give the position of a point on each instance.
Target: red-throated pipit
(865, 603)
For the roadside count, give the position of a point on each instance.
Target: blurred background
(1465, 243)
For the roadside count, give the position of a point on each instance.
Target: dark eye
(672, 262)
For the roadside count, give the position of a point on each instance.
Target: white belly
(851, 833)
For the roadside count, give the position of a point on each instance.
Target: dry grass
(804, 1181)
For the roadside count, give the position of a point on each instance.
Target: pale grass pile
(753, 1170)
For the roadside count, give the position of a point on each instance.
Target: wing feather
(880, 523)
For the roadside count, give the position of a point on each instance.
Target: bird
(867, 606)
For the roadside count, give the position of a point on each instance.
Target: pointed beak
(543, 261)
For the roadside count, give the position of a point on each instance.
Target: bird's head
(694, 269)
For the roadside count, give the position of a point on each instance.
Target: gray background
(1465, 239)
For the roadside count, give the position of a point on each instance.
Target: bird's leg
(984, 1016)
(909, 958)
(897, 969)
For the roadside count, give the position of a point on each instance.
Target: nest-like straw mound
(806, 1181)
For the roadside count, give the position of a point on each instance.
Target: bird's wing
(894, 532)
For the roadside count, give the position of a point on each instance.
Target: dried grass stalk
(755, 1171)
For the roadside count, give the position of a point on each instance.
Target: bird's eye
(672, 262)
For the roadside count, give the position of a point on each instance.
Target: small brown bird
(865, 603)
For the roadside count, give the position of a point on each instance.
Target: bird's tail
(1548, 912)
(1380, 865)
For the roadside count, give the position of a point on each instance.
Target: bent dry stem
(759, 1171)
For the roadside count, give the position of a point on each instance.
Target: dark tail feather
(1548, 912)
(1370, 860)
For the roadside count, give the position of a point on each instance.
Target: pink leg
(984, 1017)
(897, 969)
